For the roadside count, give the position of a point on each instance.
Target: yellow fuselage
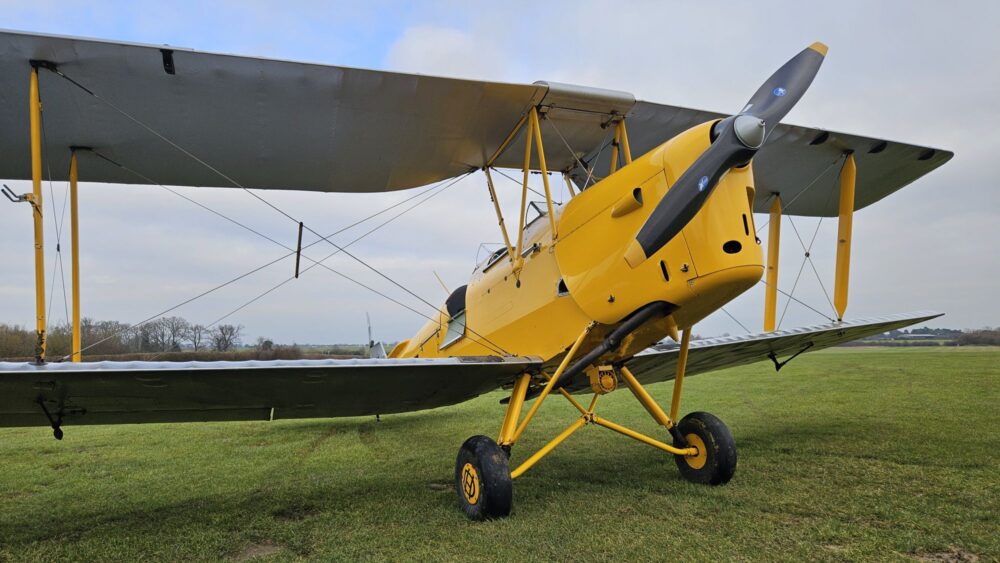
(581, 276)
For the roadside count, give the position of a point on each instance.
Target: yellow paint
(471, 485)
(848, 177)
(528, 463)
(525, 310)
(569, 185)
(507, 141)
(682, 359)
(643, 438)
(696, 461)
(514, 410)
(646, 399)
(576, 404)
(623, 138)
(548, 386)
(773, 246)
(518, 261)
(35, 118)
(820, 48)
(496, 206)
(614, 150)
(537, 130)
(75, 244)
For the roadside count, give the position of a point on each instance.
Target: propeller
(735, 141)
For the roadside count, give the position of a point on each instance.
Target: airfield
(846, 454)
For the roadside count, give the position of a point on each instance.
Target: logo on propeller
(703, 183)
(779, 91)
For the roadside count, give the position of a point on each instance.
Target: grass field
(849, 454)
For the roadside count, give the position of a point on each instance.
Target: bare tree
(175, 329)
(153, 336)
(197, 335)
(226, 337)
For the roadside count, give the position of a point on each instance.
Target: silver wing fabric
(130, 392)
(659, 363)
(266, 123)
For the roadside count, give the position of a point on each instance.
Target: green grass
(844, 455)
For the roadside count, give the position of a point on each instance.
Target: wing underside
(659, 363)
(264, 123)
(131, 392)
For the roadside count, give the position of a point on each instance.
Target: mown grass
(844, 455)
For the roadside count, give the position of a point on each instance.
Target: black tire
(717, 464)
(482, 480)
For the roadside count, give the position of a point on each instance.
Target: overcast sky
(918, 72)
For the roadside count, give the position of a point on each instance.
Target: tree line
(108, 338)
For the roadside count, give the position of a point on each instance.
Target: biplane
(596, 294)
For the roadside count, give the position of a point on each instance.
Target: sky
(920, 72)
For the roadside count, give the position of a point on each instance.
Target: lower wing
(659, 363)
(129, 392)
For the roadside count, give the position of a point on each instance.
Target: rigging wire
(57, 261)
(799, 301)
(806, 189)
(241, 276)
(743, 326)
(518, 182)
(487, 344)
(232, 181)
(808, 255)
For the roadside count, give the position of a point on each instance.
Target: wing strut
(848, 176)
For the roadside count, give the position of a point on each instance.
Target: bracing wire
(808, 255)
(518, 182)
(806, 189)
(232, 181)
(482, 340)
(57, 223)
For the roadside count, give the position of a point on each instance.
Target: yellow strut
(643, 438)
(514, 409)
(773, 243)
(682, 359)
(848, 176)
(569, 185)
(518, 259)
(555, 377)
(614, 150)
(496, 206)
(645, 399)
(537, 130)
(624, 141)
(35, 118)
(74, 231)
(577, 424)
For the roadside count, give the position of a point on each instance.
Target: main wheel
(715, 463)
(482, 479)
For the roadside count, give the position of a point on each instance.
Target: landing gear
(715, 462)
(482, 479)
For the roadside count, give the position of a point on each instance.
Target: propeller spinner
(736, 139)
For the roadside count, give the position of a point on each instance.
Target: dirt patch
(262, 549)
(953, 555)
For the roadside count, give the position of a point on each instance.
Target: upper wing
(659, 363)
(288, 125)
(801, 163)
(127, 392)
